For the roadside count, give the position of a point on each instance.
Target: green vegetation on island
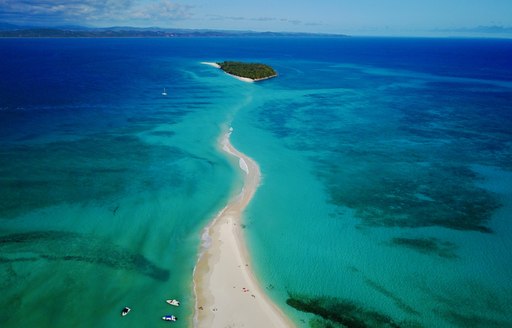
(254, 71)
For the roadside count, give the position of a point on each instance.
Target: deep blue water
(386, 170)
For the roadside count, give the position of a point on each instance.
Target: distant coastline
(17, 31)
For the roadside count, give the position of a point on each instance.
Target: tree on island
(255, 71)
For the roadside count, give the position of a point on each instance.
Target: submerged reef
(427, 246)
(472, 320)
(321, 323)
(475, 306)
(399, 154)
(343, 313)
(70, 246)
(434, 195)
(35, 176)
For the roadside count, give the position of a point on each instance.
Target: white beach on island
(211, 64)
(226, 290)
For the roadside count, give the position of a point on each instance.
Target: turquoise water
(385, 198)
(104, 194)
(390, 200)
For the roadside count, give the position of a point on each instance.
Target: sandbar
(211, 64)
(227, 292)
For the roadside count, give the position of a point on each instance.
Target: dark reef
(343, 313)
(439, 195)
(70, 246)
(45, 175)
(414, 168)
(433, 246)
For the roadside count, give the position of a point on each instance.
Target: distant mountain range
(17, 31)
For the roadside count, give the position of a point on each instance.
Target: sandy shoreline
(211, 64)
(227, 293)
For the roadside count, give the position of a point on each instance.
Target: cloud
(163, 9)
(93, 10)
(263, 19)
(490, 29)
(220, 17)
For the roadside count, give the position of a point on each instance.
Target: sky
(355, 17)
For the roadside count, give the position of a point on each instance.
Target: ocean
(386, 171)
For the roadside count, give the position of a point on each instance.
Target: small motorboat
(169, 318)
(125, 311)
(173, 302)
(164, 93)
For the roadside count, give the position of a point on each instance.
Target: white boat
(169, 318)
(164, 93)
(173, 302)
(125, 311)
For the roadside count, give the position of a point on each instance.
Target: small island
(248, 71)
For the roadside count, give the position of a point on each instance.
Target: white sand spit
(243, 165)
(227, 292)
(211, 64)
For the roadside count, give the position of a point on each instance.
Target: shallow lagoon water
(388, 195)
(384, 199)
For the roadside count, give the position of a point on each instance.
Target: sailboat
(164, 93)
